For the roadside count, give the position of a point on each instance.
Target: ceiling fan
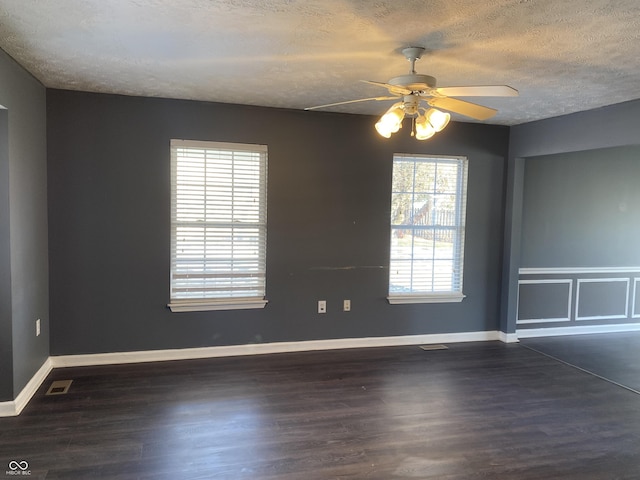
(414, 88)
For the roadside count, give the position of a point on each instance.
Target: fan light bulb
(437, 119)
(383, 129)
(424, 129)
(391, 121)
(426, 126)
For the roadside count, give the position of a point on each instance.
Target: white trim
(508, 337)
(542, 320)
(545, 320)
(576, 270)
(13, 408)
(8, 409)
(601, 280)
(184, 143)
(435, 298)
(578, 330)
(210, 305)
(192, 277)
(266, 348)
(423, 267)
(633, 302)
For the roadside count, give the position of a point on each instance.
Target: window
(218, 225)
(428, 203)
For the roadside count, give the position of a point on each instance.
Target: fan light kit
(414, 88)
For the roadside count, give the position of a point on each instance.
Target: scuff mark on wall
(350, 267)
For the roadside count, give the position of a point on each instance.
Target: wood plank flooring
(475, 411)
(614, 356)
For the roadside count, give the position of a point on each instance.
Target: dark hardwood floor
(475, 411)
(614, 356)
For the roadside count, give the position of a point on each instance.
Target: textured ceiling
(563, 56)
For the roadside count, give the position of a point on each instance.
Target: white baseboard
(13, 408)
(8, 409)
(508, 337)
(265, 348)
(577, 330)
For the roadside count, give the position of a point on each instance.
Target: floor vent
(434, 347)
(59, 387)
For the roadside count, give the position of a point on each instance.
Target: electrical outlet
(322, 306)
(346, 305)
(37, 327)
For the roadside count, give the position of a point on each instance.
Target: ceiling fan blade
(467, 109)
(478, 91)
(351, 101)
(398, 90)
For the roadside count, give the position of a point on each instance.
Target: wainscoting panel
(635, 304)
(544, 301)
(603, 297)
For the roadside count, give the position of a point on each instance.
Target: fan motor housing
(414, 82)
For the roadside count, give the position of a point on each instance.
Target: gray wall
(582, 209)
(612, 126)
(328, 208)
(6, 344)
(608, 127)
(25, 100)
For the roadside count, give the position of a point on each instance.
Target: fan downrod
(412, 54)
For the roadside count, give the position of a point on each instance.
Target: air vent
(59, 387)
(434, 347)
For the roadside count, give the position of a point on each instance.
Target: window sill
(432, 298)
(209, 305)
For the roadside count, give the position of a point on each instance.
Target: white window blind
(218, 225)
(428, 205)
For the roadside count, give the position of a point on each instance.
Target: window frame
(435, 296)
(209, 303)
